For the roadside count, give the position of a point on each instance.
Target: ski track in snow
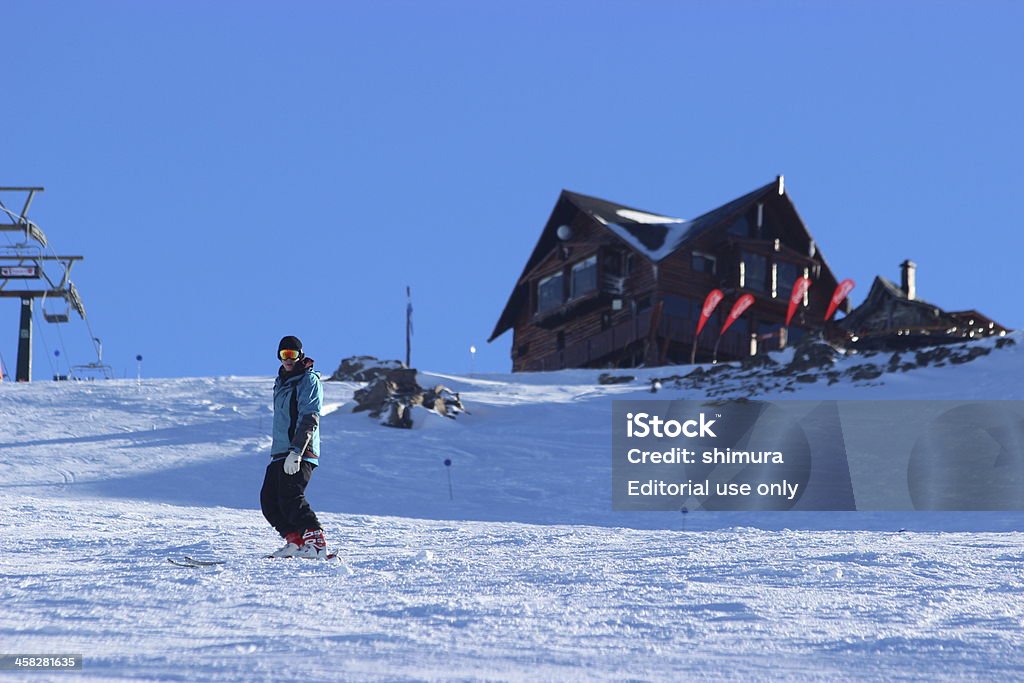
(535, 580)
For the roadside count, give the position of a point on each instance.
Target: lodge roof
(657, 236)
(653, 235)
(886, 297)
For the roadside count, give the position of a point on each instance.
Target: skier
(294, 454)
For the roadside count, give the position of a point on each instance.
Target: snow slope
(523, 572)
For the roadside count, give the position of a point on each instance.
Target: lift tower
(23, 261)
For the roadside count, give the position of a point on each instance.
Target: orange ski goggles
(289, 354)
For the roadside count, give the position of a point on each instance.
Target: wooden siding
(600, 330)
(660, 302)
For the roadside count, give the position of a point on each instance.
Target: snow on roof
(654, 236)
(644, 217)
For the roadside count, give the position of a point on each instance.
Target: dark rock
(864, 372)
(443, 401)
(1005, 341)
(404, 380)
(605, 378)
(933, 355)
(811, 357)
(971, 354)
(758, 361)
(896, 364)
(807, 378)
(396, 393)
(373, 396)
(399, 415)
(364, 369)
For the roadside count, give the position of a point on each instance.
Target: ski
(194, 563)
(330, 556)
(182, 563)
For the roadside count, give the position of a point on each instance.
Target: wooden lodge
(611, 286)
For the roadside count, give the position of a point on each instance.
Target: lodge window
(703, 263)
(753, 272)
(583, 278)
(550, 293)
(618, 264)
(785, 276)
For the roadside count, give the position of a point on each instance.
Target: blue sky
(234, 172)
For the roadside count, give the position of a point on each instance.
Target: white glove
(292, 462)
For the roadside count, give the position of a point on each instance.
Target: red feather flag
(842, 290)
(800, 288)
(742, 304)
(714, 298)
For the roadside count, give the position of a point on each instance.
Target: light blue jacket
(298, 400)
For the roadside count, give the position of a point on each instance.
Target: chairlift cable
(67, 281)
(92, 338)
(63, 349)
(46, 346)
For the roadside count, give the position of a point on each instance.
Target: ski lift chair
(56, 315)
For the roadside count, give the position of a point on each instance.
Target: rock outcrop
(816, 361)
(364, 369)
(393, 394)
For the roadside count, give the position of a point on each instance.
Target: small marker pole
(448, 468)
(138, 371)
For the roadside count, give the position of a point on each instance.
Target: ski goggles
(289, 354)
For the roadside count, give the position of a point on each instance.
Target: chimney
(908, 270)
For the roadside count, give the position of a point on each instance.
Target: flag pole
(408, 327)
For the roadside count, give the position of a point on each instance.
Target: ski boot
(292, 544)
(314, 545)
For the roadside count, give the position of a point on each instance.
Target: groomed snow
(525, 573)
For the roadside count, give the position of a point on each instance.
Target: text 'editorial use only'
(817, 455)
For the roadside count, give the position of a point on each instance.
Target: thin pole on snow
(448, 469)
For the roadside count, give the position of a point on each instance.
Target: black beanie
(290, 342)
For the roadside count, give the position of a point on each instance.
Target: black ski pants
(283, 499)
